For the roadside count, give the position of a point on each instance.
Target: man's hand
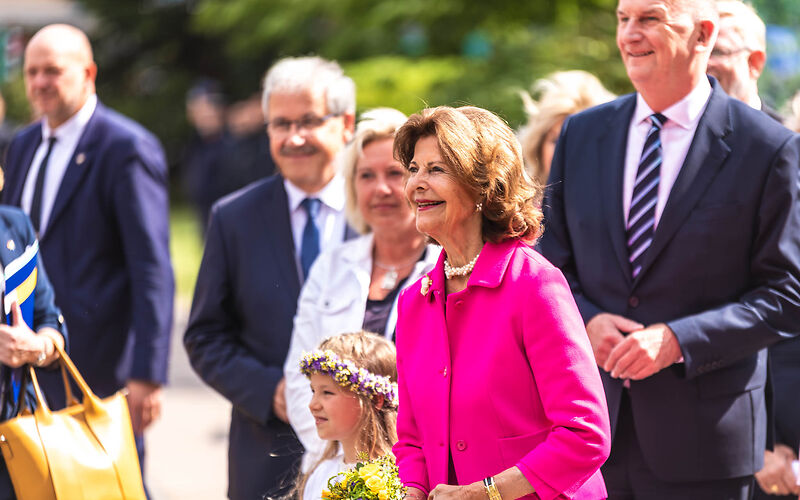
(605, 332)
(643, 353)
(279, 401)
(144, 403)
(777, 477)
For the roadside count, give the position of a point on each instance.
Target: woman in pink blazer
(499, 392)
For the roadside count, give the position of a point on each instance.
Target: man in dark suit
(740, 53)
(674, 215)
(95, 186)
(260, 244)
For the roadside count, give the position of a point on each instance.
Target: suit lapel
(275, 220)
(706, 155)
(15, 194)
(611, 146)
(80, 163)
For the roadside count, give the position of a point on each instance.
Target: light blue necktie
(310, 245)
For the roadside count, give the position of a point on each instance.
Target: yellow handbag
(84, 452)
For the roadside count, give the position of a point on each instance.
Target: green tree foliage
(402, 53)
(414, 53)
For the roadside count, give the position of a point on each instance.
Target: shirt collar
(332, 195)
(74, 126)
(684, 113)
(489, 270)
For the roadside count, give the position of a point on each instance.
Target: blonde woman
(559, 95)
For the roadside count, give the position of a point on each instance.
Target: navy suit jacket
(240, 326)
(106, 246)
(722, 272)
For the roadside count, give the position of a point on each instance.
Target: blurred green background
(407, 54)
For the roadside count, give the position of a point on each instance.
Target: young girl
(354, 403)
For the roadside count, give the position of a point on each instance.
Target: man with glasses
(739, 55)
(260, 244)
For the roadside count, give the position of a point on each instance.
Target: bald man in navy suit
(95, 186)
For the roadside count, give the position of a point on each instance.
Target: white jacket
(333, 301)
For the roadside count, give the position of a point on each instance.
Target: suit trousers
(628, 476)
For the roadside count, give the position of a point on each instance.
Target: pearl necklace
(450, 272)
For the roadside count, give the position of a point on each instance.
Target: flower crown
(348, 375)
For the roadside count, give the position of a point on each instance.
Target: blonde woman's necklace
(451, 272)
(390, 279)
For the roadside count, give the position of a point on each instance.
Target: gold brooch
(426, 285)
(11, 245)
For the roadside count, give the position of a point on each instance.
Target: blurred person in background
(737, 61)
(559, 95)
(20, 343)
(784, 359)
(6, 130)
(94, 184)
(356, 285)
(260, 245)
(204, 158)
(247, 156)
(739, 56)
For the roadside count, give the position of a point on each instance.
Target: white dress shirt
(676, 137)
(331, 220)
(67, 136)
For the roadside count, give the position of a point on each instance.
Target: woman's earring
(479, 206)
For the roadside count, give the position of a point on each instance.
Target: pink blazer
(500, 374)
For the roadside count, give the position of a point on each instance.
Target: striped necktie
(642, 214)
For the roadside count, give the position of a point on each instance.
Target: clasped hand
(642, 353)
(777, 477)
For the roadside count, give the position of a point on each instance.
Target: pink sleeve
(570, 389)
(408, 449)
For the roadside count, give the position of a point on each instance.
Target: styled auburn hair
(486, 159)
(378, 422)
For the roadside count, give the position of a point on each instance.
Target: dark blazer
(106, 246)
(16, 234)
(240, 326)
(722, 272)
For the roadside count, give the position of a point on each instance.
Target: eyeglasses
(716, 52)
(306, 123)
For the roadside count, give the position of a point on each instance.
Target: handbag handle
(91, 403)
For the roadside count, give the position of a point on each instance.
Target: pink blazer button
(461, 445)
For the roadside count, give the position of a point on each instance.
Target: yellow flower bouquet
(373, 480)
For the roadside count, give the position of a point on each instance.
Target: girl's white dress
(318, 480)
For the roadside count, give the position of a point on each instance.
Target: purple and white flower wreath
(348, 375)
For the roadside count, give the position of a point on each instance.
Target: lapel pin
(80, 158)
(426, 285)
(11, 245)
